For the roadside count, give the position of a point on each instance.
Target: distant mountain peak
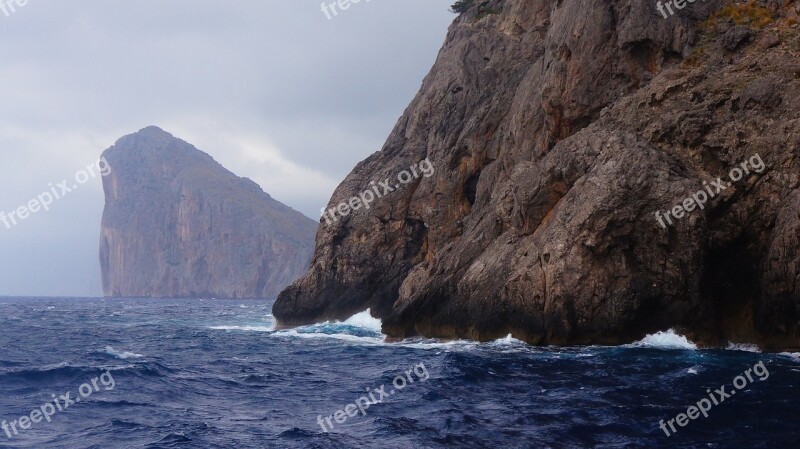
(178, 224)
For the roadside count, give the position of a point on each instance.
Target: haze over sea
(214, 374)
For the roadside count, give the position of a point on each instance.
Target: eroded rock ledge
(558, 130)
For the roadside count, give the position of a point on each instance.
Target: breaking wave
(666, 340)
(747, 347)
(123, 355)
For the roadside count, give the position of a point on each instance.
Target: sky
(274, 90)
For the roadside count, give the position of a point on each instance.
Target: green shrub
(461, 6)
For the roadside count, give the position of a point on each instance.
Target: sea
(141, 373)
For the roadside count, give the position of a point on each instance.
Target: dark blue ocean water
(212, 374)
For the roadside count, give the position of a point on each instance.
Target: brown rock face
(558, 130)
(178, 224)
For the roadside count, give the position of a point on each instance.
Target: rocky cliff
(561, 133)
(178, 224)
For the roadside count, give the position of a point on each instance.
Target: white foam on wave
(793, 355)
(338, 330)
(364, 320)
(665, 339)
(747, 347)
(437, 344)
(293, 333)
(341, 330)
(507, 344)
(243, 328)
(35, 309)
(508, 340)
(121, 354)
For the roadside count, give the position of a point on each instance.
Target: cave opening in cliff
(731, 281)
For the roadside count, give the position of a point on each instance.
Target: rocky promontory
(560, 132)
(178, 224)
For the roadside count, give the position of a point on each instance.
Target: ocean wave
(359, 328)
(364, 320)
(48, 374)
(10, 364)
(696, 369)
(428, 344)
(36, 309)
(363, 328)
(315, 333)
(508, 340)
(124, 355)
(174, 439)
(244, 328)
(747, 347)
(792, 355)
(666, 340)
(112, 403)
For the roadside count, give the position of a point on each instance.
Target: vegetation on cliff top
(749, 13)
(462, 6)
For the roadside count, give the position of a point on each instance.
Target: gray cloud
(271, 89)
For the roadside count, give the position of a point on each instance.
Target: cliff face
(558, 130)
(178, 224)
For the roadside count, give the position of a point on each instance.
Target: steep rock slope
(178, 224)
(558, 130)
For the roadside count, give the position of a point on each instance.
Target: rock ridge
(558, 130)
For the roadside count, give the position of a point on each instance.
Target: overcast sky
(272, 89)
